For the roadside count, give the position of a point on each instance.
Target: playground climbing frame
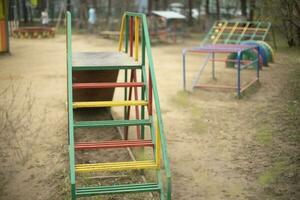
(233, 32)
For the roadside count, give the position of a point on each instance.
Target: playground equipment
(266, 53)
(34, 32)
(110, 34)
(233, 32)
(167, 26)
(243, 42)
(213, 49)
(4, 40)
(105, 66)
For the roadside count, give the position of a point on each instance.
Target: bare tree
(190, 13)
(108, 12)
(166, 3)
(244, 8)
(149, 7)
(286, 15)
(207, 8)
(218, 9)
(156, 4)
(252, 9)
(25, 13)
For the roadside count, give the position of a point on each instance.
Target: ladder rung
(111, 123)
(93, 104)
(116, 166)
(101, 190)
(106, 85)
(113, 144)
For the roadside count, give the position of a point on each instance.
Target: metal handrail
(146, 49)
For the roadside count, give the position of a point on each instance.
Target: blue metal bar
(183, 68)
(251, 63)
(213, 66)
(257, 63)
(202, 67)
(239, 55)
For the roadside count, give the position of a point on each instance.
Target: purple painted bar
(221, 48)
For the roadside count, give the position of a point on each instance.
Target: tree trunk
(207, 12)
(18, 10)
(207, 8)
(95, 5)
(218, 9)
(190, 13)
(166, 3)
(252, 9)
(244, 8)
(149, 7)
(69, 5)
(25, 14)
(108, 12)
(157, 5)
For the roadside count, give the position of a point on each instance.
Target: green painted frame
(146, 51)
(70, 107)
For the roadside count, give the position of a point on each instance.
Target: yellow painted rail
(122, 32)
(116, 166)
(157, 147)
(136, 39)
(95, 104)
(220, 32)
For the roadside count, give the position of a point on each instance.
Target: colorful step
(97, 104)
(115, 189)
(112, 123)
(105, 85)
(113, 144)
(116, 166)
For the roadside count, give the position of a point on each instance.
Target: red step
(106, 85)
(113, 144)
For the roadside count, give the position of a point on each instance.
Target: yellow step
(93, 104)
(116, 166)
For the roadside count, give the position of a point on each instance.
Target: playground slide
(99, 144)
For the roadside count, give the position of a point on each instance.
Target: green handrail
(146, 49)
(70, 105)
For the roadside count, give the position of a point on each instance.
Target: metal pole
(257, 63)
(183, 68)
(213, 66)
(239, 74)
(6, 11)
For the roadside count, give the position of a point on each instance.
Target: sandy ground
(211, 135)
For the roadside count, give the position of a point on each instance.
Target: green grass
(182, 99)
(270, 175)
(264, 136)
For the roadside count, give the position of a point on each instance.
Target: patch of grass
(198, 125)
(249, 92)
(181, 99)
(264, 136)
(271, 175)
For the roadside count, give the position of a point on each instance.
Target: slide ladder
(140, 94)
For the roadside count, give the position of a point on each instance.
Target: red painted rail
(105, 85)
(113, 144)
(131, 36)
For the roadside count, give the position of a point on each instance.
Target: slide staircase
(140, 95)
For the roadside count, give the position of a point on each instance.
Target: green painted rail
(147, 52)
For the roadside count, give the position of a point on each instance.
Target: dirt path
(215, 142)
